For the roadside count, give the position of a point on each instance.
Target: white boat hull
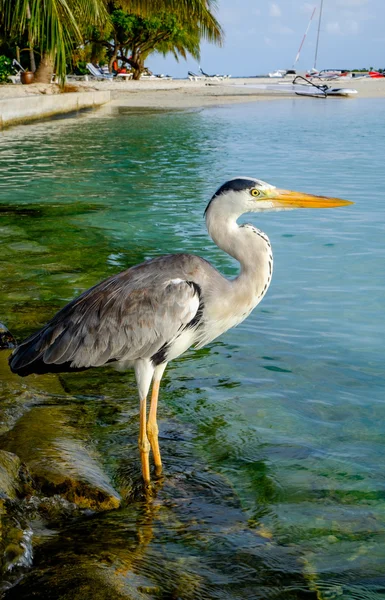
(321, 94)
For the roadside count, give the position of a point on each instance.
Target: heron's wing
(120, 318)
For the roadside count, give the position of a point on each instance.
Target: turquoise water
(287, 409)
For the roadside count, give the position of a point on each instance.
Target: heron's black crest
(235, 185)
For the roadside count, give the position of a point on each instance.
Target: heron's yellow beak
(289, 199)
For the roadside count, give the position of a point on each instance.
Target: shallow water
(272, 436)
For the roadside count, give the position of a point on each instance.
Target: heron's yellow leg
(144, 446)
(152, 426)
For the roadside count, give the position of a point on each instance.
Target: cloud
(334, 28)
(275, 11)
(351, 2)
(281, 29)
(352, 26)
(349, 27)
(307, 8)
(269, 42)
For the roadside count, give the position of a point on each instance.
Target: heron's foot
(158, 470)
(144, 449)
(152, 434)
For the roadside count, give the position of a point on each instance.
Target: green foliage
(133, 37)
(5, 69)
(57, 28)
(147, 33)
(200, 12)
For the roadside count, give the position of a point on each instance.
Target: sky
(262, 36)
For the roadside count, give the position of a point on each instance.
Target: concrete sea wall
(30, 108)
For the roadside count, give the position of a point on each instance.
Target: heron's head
(245, 194)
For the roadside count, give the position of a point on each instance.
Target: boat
(283, 72)
(278, 74)
(300, 86)
(327, 74)
(304, 87)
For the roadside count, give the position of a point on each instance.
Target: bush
(6, 69)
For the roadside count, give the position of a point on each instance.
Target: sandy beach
(174, 94)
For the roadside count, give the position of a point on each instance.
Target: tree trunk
(113, 58)
(137, 67)
(32, 63)
(45, 69)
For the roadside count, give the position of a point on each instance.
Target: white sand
(187, 94)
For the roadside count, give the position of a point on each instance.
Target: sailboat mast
(304, 38)
(319, 29)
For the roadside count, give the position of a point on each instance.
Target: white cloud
(256, 12)
(275, 11)
(354, 13)
(334, 28)
(352, 26)
(307, 8)
(281, 29)
(348, 27)
(269, 42)
(352, 2)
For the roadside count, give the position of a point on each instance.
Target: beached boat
(282, 73)
(327, 74)
(304, 87)
(278, 74)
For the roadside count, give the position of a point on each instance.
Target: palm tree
(199, 10)
(56, 26)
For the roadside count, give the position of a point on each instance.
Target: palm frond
(194, 10)
(55, 25)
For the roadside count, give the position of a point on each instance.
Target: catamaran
(302, 86)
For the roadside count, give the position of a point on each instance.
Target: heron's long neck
(248, 245)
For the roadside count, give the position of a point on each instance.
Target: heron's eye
(254, 192)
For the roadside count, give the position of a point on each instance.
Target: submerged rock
(6, 338)
(45, 429)
(15, 534)
(59, 461)
(17, 395)
(9, 472)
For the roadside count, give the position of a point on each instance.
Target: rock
(77, 581)
(6, 338)
(49, 442)
(17, 395)
(9, 472)
(15, 546)
(15, 535)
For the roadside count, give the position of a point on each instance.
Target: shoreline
(34, 108)
(159, 94)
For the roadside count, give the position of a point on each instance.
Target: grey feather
(157, 310)
(128, 316)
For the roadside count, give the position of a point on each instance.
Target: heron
(150, 314)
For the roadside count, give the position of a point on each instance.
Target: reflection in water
(190, 539)
(272, 436)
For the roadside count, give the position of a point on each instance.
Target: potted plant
(27, 77)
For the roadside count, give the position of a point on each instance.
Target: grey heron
(153, 312)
